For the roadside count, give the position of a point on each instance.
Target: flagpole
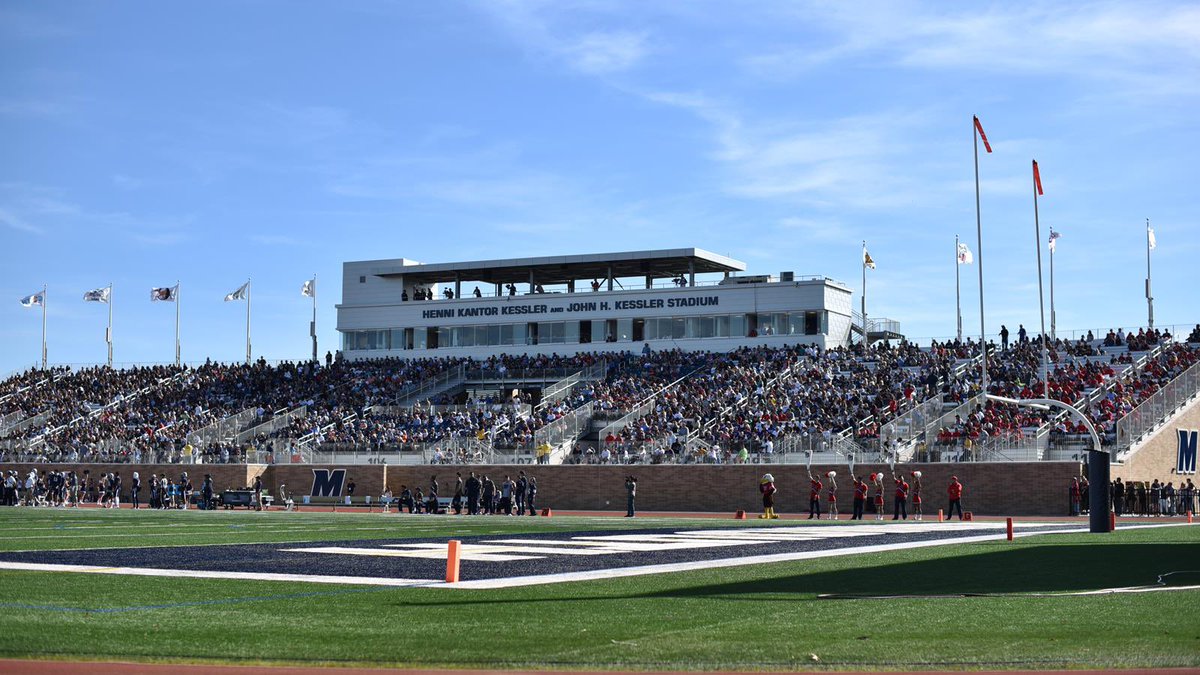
(313, 328)
(1053, 323)
(866, 337)
(957, 287)
(979, 261)
(247, 321)
(1149, 293)
(44, 288)
(177, 303)
(108, 337)
(1037, 236)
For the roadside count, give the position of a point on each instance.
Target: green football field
(993, 604)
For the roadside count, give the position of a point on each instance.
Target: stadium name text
(574, 307)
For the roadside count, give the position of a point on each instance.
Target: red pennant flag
(1037, 178)
(979, 127)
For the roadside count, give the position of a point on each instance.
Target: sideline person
(630, 495)
(814, 496)
(954, 491)
(916, 495)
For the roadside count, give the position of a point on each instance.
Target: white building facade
(687, 299)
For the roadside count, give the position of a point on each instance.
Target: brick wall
(989, 489)
(1156, 458)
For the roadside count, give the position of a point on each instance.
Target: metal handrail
(1156, 409)
(640, 410)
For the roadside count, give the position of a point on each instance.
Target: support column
(1098, 474)
(610, 278)
(457, 285)
(691, 273)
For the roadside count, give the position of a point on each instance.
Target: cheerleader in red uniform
(877, 480)
(916, 494)
(833, 512)
(814, 496)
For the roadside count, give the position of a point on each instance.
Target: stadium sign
(328, 482)
(1185, 454)
(518, 309)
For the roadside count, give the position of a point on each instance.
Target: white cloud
(15, 222)
(30, 107)
(126, 182)
(549, 30)
(1144, 46)
(846, 161)
(601, 53)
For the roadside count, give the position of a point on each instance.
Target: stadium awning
(561, 269)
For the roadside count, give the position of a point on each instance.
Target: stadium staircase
(442, 383)
(699, 440)
(877, 329)
(1152, 415)
(617, 427)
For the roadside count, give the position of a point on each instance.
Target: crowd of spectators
(708, 406)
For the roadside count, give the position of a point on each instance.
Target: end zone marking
(589, 575)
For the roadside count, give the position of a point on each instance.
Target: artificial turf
(765, 616)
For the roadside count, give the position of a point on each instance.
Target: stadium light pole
(1099, 460)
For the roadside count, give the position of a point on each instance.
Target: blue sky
(149, 142)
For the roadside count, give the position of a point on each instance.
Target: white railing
(569, 427)
(561, 389)
(280, 419)
(1154, 411)
(616, 427)
(430, 386)
(222, 429)
(700, 440)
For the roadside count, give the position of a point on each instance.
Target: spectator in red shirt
(955, 492)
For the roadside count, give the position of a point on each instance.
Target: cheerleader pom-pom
(872, 478)
(916, 474)
(832, 474)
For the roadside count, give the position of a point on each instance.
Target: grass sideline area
(754, 617)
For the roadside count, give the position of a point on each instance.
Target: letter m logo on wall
(328, 482)
(1185, 458)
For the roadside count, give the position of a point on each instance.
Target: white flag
(98, 295)
(1150, 237)
(239, 294)
(35, 300)
(867, 259)
(1053, 239)
(309, 290)
(964, 255)
(167, 294)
